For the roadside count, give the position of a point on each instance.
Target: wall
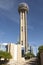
(41, 57)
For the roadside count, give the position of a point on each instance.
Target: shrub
(29, 55)
(5, 55)
(40, 49)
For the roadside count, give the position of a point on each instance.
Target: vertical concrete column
(8, 47)
(24, 30)
(21, 26)
(19, 55)
(26, 43)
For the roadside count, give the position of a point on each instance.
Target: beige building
(16, 52)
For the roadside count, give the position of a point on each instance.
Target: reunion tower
(23, 10)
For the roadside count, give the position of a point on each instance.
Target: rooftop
(23, 7)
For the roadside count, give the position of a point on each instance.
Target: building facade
(14, 50)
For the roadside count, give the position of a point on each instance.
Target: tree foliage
(40, 48)
(29, 55)
(5, 55)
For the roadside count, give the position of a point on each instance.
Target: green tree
(29, 55)
(1, 54)
(40, 49)
(5, 55)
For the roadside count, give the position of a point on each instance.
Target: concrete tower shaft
(23, 9)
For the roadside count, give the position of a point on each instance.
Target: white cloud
(6, 4)
(2, 34)
(7, 10)
(33, 43)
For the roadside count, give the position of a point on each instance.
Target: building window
(22, 42)
(22, 16)
(22, 53)
(22, 28)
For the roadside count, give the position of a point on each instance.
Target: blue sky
(9, 21)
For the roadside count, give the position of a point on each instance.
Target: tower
(23, 10)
